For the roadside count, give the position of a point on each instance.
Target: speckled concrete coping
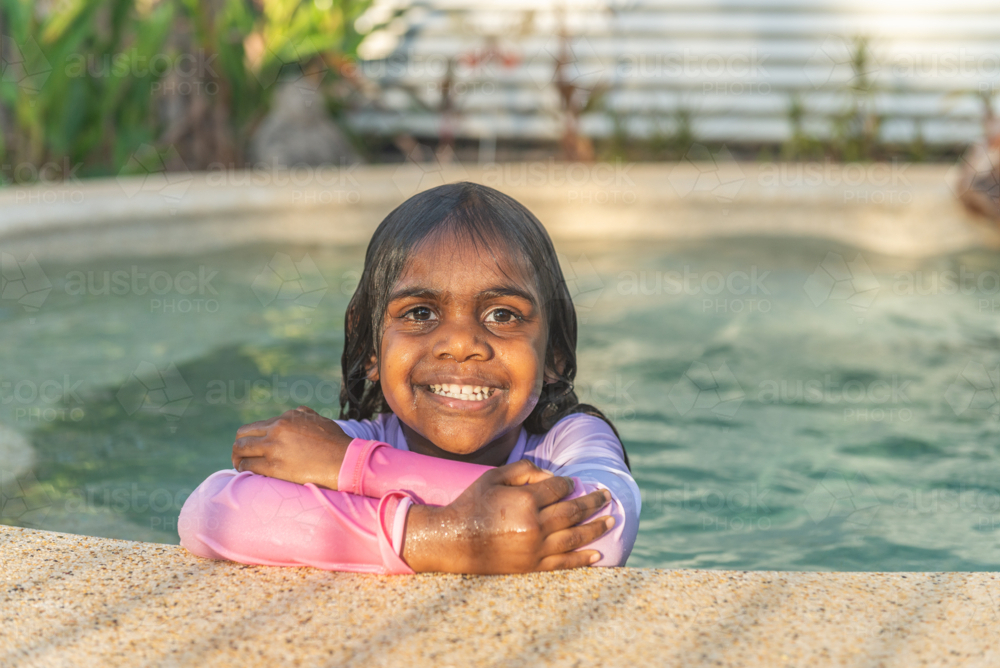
(80, 601)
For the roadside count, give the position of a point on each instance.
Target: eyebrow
(489, 293)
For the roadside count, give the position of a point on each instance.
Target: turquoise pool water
(786, 404)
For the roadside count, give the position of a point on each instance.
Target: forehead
(449, 262)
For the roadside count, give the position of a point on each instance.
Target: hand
(299, 446)
(509, 521)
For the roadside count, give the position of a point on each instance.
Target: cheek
(527, 366)
(398, 358)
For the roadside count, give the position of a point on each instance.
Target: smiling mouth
(463, 392)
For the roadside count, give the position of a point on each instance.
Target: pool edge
(76, 600)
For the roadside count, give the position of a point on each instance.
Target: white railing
(730, 69)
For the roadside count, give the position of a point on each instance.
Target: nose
(461, 341)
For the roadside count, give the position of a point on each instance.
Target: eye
(502, 315)
(420, 314)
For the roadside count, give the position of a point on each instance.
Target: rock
(978, 182)
(16, 455)
(298, 131)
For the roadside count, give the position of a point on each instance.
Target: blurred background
(104, 84)
(778, 220)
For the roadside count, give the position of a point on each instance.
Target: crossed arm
(329, 501)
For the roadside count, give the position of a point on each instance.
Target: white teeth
(464, 392)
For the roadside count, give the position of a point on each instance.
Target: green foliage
(671, 138)
(92, 82)
(680, 141)
(800, 146)
(856, 129)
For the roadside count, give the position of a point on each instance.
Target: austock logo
(852, 59)
(985, 610)
(286, 280)
(423, 169)
(581, 66)
(268, 66)
(23, 282)
(22, 499)
(716, 173)
(23, 64)
(583, 282)
(280, 501)
(154, 390)
(700, 388)
(851, 499)
(976, 390)
(837, 279)
(148, 171)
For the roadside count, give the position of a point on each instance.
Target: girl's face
(463, 352)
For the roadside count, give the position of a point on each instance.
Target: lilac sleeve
(373, 469)
(254, 519)
(585, 448)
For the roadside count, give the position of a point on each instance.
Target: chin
(461, 448)
(450, 439)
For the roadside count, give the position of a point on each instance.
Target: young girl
(465, 449)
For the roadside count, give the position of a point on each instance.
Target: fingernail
(609, 522)
(548, 471)
(595, 558)
(607, 496)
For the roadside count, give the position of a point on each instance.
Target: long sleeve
(585, 448)
(372, 468)
(254, 519)
(259, 520)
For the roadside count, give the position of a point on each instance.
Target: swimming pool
(786, 404)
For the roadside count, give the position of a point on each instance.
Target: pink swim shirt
(254, 519)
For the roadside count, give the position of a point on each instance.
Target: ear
(552, 374)
(372, 369)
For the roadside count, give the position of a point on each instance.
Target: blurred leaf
(88, 95)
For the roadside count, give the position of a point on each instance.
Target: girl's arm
(510, 520)
(296, 446)
(254, 519)
(584, 448)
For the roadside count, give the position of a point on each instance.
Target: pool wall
(78, 600)
(896, 209)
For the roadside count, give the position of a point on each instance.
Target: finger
(565, 514)
(521, 472)
(258, 428)
(300, 412)
(304, 412)
(250, 446)
(547, 492)
(570, 539)
(257, 465)
(559, 562)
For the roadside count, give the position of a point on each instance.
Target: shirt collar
(516, 454)
(518, 451)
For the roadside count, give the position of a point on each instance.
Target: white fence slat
(734, 67)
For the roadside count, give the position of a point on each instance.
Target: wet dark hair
(490, 220)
